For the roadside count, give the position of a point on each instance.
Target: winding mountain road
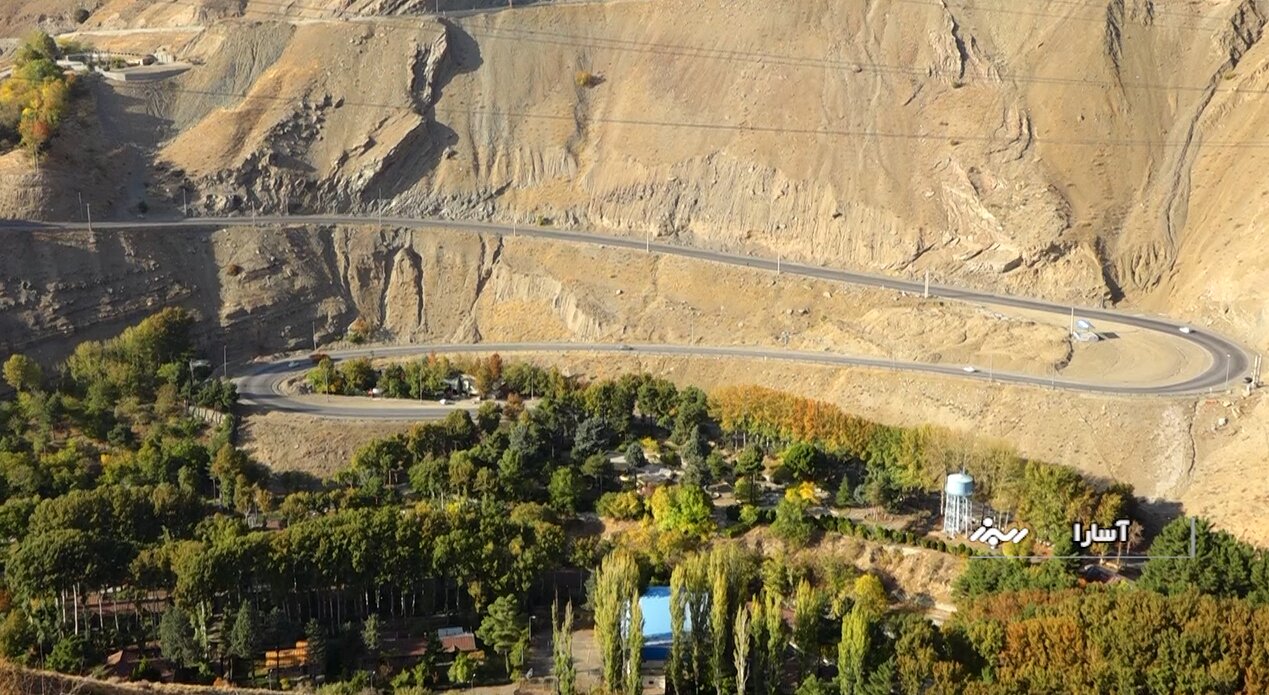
(1228, 361)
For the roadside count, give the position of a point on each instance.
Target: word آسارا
(1093, 534)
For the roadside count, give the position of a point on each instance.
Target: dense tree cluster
(878, 464)
(1111, 640)
(35, 97)
(130, 522)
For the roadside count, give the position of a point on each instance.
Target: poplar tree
(719, 616)
(776, 635)
(679, 646)
(740, 655)
(562, 650)
(808, 604)
(634, 647)
(617, 579)
(852, 650)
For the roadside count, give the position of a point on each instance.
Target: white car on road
(1187, 330)
(968, 369)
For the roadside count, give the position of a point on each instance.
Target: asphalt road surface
(1229, 362)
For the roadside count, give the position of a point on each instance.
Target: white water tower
(958, 505)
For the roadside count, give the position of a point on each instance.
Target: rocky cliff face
(1048, 151)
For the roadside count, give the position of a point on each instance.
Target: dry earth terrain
(1083, 151)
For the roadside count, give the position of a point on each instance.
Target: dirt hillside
(1072, 150)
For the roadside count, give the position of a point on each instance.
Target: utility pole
(184, 202)
(777, 262)
(1072, 321)
(90, 217)
(1227, 358)
(224, 361)
(927, 284)
(314, 336)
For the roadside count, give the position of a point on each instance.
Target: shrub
(81, 15)
(585, 79)
(233, 270)
(625, 506)
(359, 331)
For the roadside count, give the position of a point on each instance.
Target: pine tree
(316, 651)
(244, 636)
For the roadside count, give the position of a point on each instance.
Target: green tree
(749, 462)
(1222, 565)
(801, 462)
(740, 650)
(776, 633)
(564, 489)
(372, 636)
(634, 647)
(17, 636)
(870, 594)
(358, 375)
(22, 373)
(680, 639)
(324, 378)
(792, 523)
(616, 580)
(598, 468)
(808, 606)
(811, 685)
(176, 637)
(683, 509)
(462, 670)
(635, 457)
(69, 654)
(719, 622)
(316, 651)
(244, 635)
(593, 437)
(852, 650)
(916, 654)
(565, 670)
(503, 627)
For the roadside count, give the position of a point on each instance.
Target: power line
(682, 51)
(724, 54)
(1190, 20)
(291, 99)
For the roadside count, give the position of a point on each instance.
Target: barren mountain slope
(1045, 150)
